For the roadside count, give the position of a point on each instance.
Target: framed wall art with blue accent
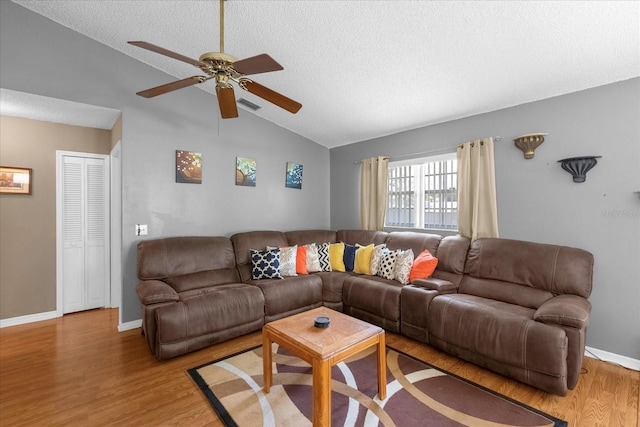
(294, 176)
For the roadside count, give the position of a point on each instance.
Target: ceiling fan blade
(159, 90)
(270, 95)
(256, 65)
(166, 52)
(227, 102)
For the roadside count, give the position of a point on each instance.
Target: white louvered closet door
(85, 226)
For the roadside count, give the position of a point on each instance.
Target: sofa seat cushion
(289, 294)
(203, 312)
(373, 299)
(332, 283)
(498, 331)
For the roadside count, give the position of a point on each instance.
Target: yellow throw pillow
(363, 259)
(336, 254)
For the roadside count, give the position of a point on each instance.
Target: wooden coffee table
(323, 348)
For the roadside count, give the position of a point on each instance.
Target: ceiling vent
(250, 105)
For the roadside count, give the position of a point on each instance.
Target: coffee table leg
(321, 406)
(382, 368)
(266, 360)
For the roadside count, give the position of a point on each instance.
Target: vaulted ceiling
(364, 69)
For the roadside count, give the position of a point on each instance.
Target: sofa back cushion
(178, 256)
(452, 254)
(305, 237)
(512, 293)
(258, 240)
(361, 237)
(415, 241)
(552, 268)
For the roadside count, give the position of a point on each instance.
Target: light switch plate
(141, 230)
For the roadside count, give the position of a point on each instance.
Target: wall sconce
(579, 166)
(529, 143)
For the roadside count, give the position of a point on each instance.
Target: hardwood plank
(78, 370)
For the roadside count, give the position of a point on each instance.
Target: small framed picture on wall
(293, 176)
(245, 172)
(15, 180)
(188, 167)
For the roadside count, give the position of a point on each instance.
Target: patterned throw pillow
(387, 267)
(376, 256)
(313, 259)
(336, 256)
(349, 256)
(265, 264)
(362, 263)
(323, 257)
(404, 261)
(288, 256)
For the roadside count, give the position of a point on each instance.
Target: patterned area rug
(417, 394)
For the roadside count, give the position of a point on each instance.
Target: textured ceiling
(36, 107)
(364, 69)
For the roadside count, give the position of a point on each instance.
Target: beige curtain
(477, 207)
(374, 173)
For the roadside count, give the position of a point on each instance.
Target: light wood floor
(78, 370)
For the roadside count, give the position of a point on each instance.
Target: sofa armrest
(566, 310)
(155, 291)
(440, 285)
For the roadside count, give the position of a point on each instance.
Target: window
(423, 193)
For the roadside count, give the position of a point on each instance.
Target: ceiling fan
(224, 69)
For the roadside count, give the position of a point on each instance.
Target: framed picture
(15, 180)
(294, 176)
(245, 172)
(188, 167)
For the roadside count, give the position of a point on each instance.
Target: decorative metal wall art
(528, 143)
(579, 166)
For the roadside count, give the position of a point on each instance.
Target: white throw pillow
(404, 262)
(378, 252)
(387, 267)
(313, 259)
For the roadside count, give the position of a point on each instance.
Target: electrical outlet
(141, 230)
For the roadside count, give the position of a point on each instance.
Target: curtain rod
(424, 153)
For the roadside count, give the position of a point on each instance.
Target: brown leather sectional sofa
(517, 308)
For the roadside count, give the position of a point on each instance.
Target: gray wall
(538, 201)
(45, 58)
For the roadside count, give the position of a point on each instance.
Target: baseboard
(29, 318)
(130, 325)
(606, 356)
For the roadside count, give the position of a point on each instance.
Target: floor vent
(250, 105)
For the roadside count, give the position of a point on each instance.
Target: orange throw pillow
(423, 266)
(301, 260)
